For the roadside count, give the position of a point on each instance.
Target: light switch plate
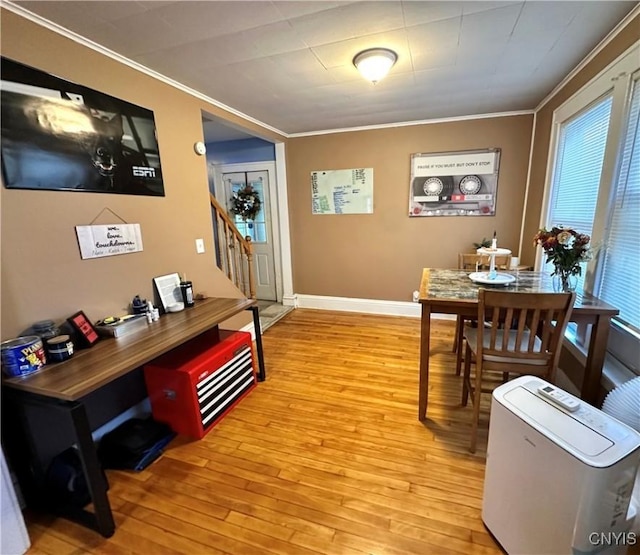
(199, 246)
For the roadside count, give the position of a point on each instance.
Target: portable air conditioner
(559, 473)
(14, 538)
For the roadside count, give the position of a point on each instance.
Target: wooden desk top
(442, 286)
(110, 358)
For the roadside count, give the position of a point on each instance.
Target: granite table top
(455, 285)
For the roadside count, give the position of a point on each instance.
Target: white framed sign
(96, 241)
(168, 288)
(454, 183)
(342, 191)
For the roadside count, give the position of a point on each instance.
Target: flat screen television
(59, 135)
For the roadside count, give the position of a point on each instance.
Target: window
(581, 146)
(594, 187)
(620, 281)
(255, 228)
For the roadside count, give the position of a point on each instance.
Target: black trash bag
(135, 444)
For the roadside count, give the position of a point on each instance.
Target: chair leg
(456, 343)
(466, 379)
(476, 407)
(459, 341)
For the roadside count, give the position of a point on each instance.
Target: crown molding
(409, 123)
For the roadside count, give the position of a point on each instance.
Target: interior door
(259, 229)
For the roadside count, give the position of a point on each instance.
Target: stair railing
(234, 253)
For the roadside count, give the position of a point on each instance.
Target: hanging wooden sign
(96, 241)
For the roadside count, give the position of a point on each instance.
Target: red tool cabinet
(193, 386)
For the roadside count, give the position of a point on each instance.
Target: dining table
(444, 291)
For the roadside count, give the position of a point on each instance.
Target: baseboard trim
(289, 300)
(367, 306)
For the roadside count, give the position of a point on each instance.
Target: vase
(564, 281)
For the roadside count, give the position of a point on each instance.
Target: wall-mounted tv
(58, 135)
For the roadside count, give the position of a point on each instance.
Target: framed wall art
(59, 135)
(454, 183)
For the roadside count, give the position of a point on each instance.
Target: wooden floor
(326, 456)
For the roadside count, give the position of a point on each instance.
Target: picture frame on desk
(86, 333)
(168, 290)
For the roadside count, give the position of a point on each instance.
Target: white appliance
(559, 473)
(14, 539)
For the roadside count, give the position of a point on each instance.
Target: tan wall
(381, 255)
(42, 274)
(544, 118)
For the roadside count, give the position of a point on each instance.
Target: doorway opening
(236, 157)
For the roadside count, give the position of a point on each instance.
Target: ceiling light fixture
(375, 63)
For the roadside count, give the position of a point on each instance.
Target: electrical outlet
(199, 246)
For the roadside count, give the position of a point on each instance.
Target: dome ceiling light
(375, 63)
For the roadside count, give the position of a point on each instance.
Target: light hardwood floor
(326, 456)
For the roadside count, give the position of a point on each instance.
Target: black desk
(63, 395)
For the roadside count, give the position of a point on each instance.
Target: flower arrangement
(566, 249)
(246, 203)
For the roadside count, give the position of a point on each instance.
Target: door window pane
(256, 228)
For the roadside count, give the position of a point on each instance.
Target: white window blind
(620, 283)
(576, 179)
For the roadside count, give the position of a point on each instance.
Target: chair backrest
(523, 331)
(468, 261)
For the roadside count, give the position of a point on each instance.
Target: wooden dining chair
(524, 336)
(473, 262)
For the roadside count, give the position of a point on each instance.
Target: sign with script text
(96, 241)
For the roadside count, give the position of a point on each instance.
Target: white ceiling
(288, 64)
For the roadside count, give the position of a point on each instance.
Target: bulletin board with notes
(342, 191)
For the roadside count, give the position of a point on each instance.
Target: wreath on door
(246, 203)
